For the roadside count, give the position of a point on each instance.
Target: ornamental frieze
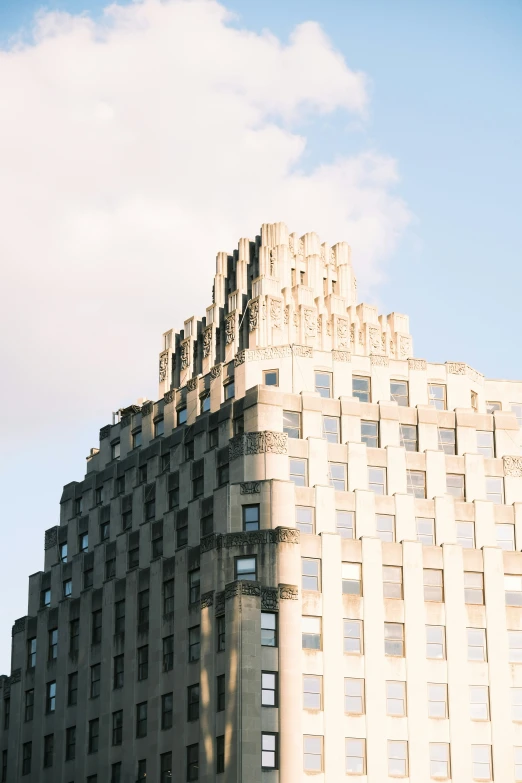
(192, 384)
(253, 315)
(207, 342)
(251, 443)
(19, 625)
(169, 396)
(215, 372)
(288, 592)
(405, 347)
(250, 488)
(105, 432)
(220, 603)
(163, 366)
(513, 466)
(278, 535)
(207, 599)
(417, 364)
(146, 409)
(185, 353)
(304, 351)
(269, 599)
(456, 368)
(51, 537)
(310, 319)
(379, 361)
(230, 329)
(341, 356)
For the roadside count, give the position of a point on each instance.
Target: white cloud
(132, 150)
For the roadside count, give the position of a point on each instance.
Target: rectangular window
(220, 693)
(437, 700)
(29, 705)
(313, 753)
(351, 577)
(70, 743)
(31, 653)
(479, 702)
(312, 692)
(355, 756)
(213, 438)
(110, 568)
(198, 478)
(447, 442)
(476, 644)
(466, 534)
(95, 681)
(116, 772)
(193, 759)
(385, 527)
(392, 581)
(126, 520)
(143, 607)
(491, 407)
(166, 767)
(168, 653)
(74, 637)
(4, 766)
(397, 759)
(394, 639)
(133, 558)
(143, 662)
(94, 735)
(136, 439)
(370, 433)
(439, 761)
(495, 489)
(352, 637)
(486, 444)
(518, 764)
(118, 671)
(269, 750)
(377, 480)
(251, 517)
(435, 642)
(437, 396)
(96, 627)
(45, 598)
(142, 474)
(323, 383)
(157, 547)
(67, 588)
(425, 530)
(505, 536)
(416, 483)
(246, 568)
(344, 523)
(204, 403)
(292, 424)
(53, 644)
(354, 696)
(193, 702)
(361, 388)
(173, 489)
(166, 710)
(513, 590)
(48, 751)
(310, 574)
(194, 584)
(194, 643)
(159, 427)
(72, 689)
(268, 629)
(409, 438)
(433, 588)
(399, 392)
(27, 752)
(229, 390)
(78, 506)
(105, 531)
(165, 462)
(88, 576)
(396, 698)
(332, 429)
(455, 485)
(220, 754)
(119, 617)
(337, 476)
(473, 587)
(83, 542)
(181, 416)
(63, 553)
(516, 704)
(223, 474)
(311, 633)
(481, 762)
(168, 596)
(238, 424)
(304, 519)
(141, 719)
(268, 689)
(117, 727)
(220, 633)
(298, 472)
(517, 410)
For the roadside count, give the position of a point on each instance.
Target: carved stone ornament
(361, 338)
(207, 341)
(513, 466)
(250, 488)
(207, 599)
(16, 676)
(304, 351)
(379, 361)
(19, 625)
(192, 384)
(269, 599)
(250, 588)
(185, 354)
(272, 352)
(288, 535)
(236, 447)
(374, 334)
(240, 358)
(291, 244)
(456, 368)
(286, 316)
(247, 538)
(163, 365)
(105, 432)
(281, 535)
(288, 592)
(169, 396)
(215, 371)
(146, 409)
(257, 443)
(310, 319)
(125, 422)
(273, 261)
(296, 319)
(329, 327)
(405, 347)
(341, 356)
(342, 333)
(417, 364)
(230, 329)
(51, 537)
(253, 315)
(352, 333)
(207, 543)
(220, 603)
(383, 342)
(276, 312)
(231, 590)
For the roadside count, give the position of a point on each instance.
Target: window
(479, 702)
(271, 377)
(491, 407)
(268, 629)
(157, 546)
(337, 476)
(141, 719)
(166, 710)
(204, 403)
(72, 689)
(198, 480)
(351, 577)
(392, 581)
(119, 488)
(246, 568)
(4, 766)
(447, 441)
(88, 576)
(238, 424)
(173, 488)
(117, 727)
(119, 617)
(116, 772)
(251, 517)
(323, 383)
(495, 490)
(67, 588)
(194, 643)
(31, 653)
(396, 698)
(344, 522)
(166, 767)
(292, 424)
(142, 474)
(409, 437)
(352, 637)
(143, 662)
(394, 639)
(118, 671)
(332, 429)
(516, 704)
(143, 607)
(223, 474)
(98, 496)
(311, 633)
(355, 756)
(83, 542)
(437, 396)
(481, 758)
(136, 439)
(168, 653)
(96, 627)
(53, 644)
(70, 743)
(397, 759)
(27, 751)
(455, 485)
(313, 753)
(193, 761)
(485, 444)
(439, 760)
(474, 400)
(385, 527)
(126, 520)
(220, 693)
(425, 530)
(399, 392)
(433, 589)
(182, 416)
(370, 433)
(95, 681)
(220, 633)
(105, 531)
(45, 598)
(74, 637)
(518, 764)
(63, 553)
(168, 596)
(220, 754)
(298, 472)
(473, 587)
(213, 438)
(94, 735)
(312, 692)
(517, 410)
(269, 750)
(310, 574)
(159, 427)
(354, 696)
(194, 585)
(229, 390)
(78, 506)
(377, 480)
(115, 450)
(165, 462)
(437, 700)
(304, 519)
(435, 642)
(476, 644)
(466, 534)
(29, 705)
(513, 590)
(361, 388)
(416, 483)
(505, 536)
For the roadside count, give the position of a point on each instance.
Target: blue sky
(445, 104)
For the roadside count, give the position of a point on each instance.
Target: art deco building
(302, 562)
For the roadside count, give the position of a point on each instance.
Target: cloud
(132, 149)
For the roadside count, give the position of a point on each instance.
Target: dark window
(182, 528)
(292, 424)
(141, 719)
(94, 735)
(31, 653)
(143, 662)
(98, 496)
(251, 517)
(70, 743)
(142, 474)
(220, 693)
(7, 713)
(150, 501)
(246, 568)
(74, 637)
(165, 463)
(142, 769)
(193, 702)
(222, 475)
(229, 393)
(67, 588)
(220, 633)
(271, 378)
(115, 450)
(193, 750)
(110, 568)
(53, 644)
(173, 489)
(48, 753)
(159, 427)
(83, 542)
(45, 598)
(95, 680)
(166, 767)
(157, 547)
(220, 754)
(166, 711)
(120, 485)
(118, 671)
(143, 607)
(194, 586)
(117, 727)
(4, 766)
(207, 525)
(133, 558)
(63, 553)
(72, 689)
(269, 689)
(119, 617)
(194, 640)
(29, 705)
(96, 636)
(268, 629)
(78, 506)
(27, 752)
(238, 425)
(126, 520)
(198, 482)
(168, 596)
(88, 576)
(136, 439)
(116, 772)
(92, 779)
(105, 531)
(213, 438)
(168, 653)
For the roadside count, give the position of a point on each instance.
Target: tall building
(300, 563)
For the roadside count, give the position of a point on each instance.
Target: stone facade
(303, 561)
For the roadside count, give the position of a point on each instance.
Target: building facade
(302, 562)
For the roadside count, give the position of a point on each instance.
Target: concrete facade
(302, 562)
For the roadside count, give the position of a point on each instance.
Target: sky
(138, 140)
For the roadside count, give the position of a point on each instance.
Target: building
(302, 562)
